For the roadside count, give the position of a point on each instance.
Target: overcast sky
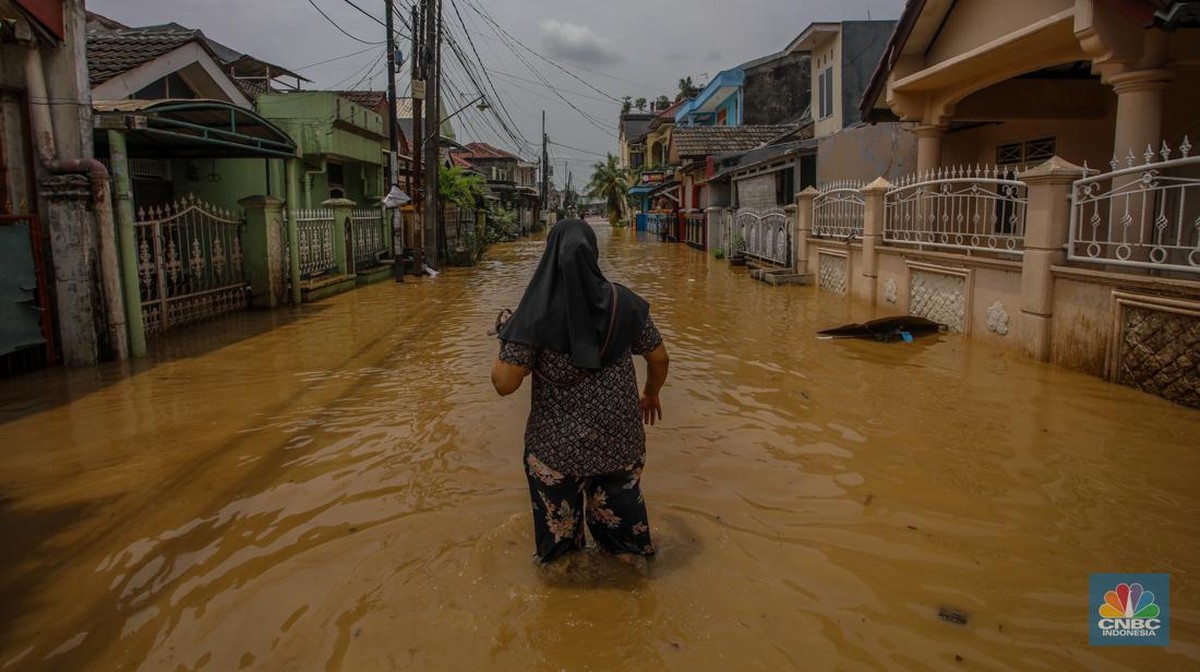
(616, 47)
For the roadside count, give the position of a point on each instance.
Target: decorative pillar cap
(809, 192)
(879, 186)
(261, 201)
(338, 203)
(1056, 170)
(1141, 80)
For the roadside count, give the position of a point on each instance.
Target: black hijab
(569, 305)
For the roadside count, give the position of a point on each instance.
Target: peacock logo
(1129, 601)
(1129, 609)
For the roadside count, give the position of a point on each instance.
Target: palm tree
(686, 89)
(611, 182)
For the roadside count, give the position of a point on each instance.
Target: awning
(177, 128)
(642, 189)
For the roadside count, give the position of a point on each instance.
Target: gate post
(293, 168)
(343, 233)
(263, 250)
(1047, 228)
(804, 219)
(873, 221)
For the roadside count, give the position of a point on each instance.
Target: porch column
(804, 220)
(873, 214)
(293, 168)
(1047, 223)
(929, 147)
(263, 249)
(1139, 111)
(343, 234)
(118, 157)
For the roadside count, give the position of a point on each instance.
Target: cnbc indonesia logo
(1129, 613)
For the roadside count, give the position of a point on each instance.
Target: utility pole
(545, 169)
(433, 83)
(417, 69)
(393, 138)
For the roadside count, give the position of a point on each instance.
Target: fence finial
(1186, 147)
(1149, 155)
(1130, 159)
(1165, 152)
(1114, 164)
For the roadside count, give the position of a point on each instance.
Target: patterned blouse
(584, 423)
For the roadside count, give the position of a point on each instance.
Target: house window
(825, 93)
(785, 183)
(1033, 151)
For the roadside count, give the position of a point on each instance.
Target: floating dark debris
(952, 616)
(887, 329)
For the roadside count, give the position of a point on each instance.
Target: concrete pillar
(804, 224)
(1047, 225)
(293, 167)
(118, 158)
(76, 275)
(343, 233)
(712, 223)
(873, 221)
(266, 269)
(929, 147)
(1139, 111)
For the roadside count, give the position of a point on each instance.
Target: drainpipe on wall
(308, 179)
(44, 145)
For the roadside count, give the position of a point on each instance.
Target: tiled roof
(111, 53)
(113, 48)
(697, 141)
(460, 159)
(482, 150)
(368, 99)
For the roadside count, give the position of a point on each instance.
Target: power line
(339, 28)
(577, 149)
(483, 67)
(487, 17)
(331, 60)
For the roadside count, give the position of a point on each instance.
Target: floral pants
(616, 513)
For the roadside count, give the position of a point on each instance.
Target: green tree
(686, 89)
(463, 189)
(640, 104)
(662, 103)
(626, 105)
(611, 182)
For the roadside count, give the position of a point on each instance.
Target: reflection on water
(337, 488)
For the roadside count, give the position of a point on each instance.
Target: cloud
(714, 55)
(676, 56)
(578, 44)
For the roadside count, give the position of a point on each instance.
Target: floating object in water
(952, 616)
(886, 329)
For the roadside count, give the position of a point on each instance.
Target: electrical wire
(339, 28)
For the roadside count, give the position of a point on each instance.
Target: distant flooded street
(338, 487)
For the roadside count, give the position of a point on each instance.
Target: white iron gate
(190, 263)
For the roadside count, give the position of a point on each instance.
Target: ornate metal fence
(838, 211)
(658, 223)
(696, 229)
(766, 234)
(190, 263)
(315, 231)
(369, 242)
(962, 208)
(1140, 215)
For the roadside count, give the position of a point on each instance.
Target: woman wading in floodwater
(584, 440)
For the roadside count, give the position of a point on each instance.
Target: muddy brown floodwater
(339, 488)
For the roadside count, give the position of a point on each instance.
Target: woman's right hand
(651, 408)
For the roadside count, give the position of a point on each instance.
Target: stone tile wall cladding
(833, 273)
(1159, 353)
(939, 297)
